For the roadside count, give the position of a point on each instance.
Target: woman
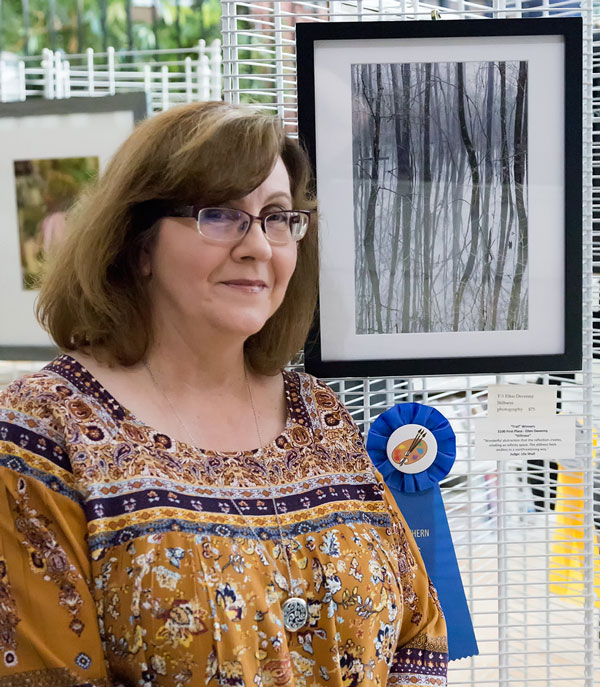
(145, 539)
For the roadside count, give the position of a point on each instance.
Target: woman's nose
(254, 243)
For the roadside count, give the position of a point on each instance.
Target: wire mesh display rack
(503, 515)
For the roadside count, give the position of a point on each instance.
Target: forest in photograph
(440, 196)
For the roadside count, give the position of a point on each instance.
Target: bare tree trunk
(439, 183)
(436, 260)
(448, 172)
(457, 205)
(416, 319)
(427, 200)
(369, 240)
(504, 198)
(484, 302)
(362, 157)
(405, 173)
(520, 155)
(474, 207)
(397, 202)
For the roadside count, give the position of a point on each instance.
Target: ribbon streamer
(413, 446)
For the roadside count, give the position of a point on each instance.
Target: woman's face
(222, 288)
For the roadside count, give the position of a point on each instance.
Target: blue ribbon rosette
(413, 446)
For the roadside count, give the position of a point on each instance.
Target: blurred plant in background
(29, 26)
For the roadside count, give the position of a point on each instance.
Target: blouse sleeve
(421, 656)
(49, 635)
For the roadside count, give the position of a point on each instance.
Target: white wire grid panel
(170, 77)
(509, 532)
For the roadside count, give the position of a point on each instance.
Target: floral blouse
(123, 561)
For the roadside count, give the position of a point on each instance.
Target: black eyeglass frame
(193, 212)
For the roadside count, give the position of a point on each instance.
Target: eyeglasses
(229, 224)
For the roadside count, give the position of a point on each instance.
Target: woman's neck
(199, 397)
(218, 368)
(196, 356)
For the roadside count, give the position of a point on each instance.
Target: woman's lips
(246, 285)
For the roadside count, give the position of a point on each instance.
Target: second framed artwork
(51, 149)
(448, 163)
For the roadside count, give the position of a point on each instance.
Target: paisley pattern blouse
(124, 561)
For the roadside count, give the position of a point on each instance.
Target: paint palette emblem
(411, 448)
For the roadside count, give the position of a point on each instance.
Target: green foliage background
(28, 26)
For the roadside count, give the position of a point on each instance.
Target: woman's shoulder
(40, 395)
(328, 415)
(26, 390)
(33, 419)
(311, 387)
(322, 397)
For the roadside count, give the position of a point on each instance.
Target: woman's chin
(242, 327)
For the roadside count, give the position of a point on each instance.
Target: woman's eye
(220, 215)
(215, 214)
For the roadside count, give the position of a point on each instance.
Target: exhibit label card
(521, 400)
(500, 438)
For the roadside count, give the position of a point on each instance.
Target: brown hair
(93, 294)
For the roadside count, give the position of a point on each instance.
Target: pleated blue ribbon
(419, 498)
(412, 414)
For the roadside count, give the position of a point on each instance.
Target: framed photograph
(447, 157)
(50, 150)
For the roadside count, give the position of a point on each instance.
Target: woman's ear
(145, 262)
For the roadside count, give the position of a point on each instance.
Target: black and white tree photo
(440, 187)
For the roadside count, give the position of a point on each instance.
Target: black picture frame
(39, 129)
(552, 51)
